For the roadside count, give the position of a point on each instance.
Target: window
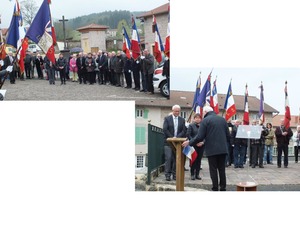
(139, 161)
(139, 113)
(140, 135)
(183, 114)
(234, 117)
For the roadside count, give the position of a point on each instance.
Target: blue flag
(40, 30)
(13, 35)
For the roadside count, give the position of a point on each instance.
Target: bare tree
(29, 9)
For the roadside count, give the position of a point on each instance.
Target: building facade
(161, 14)
(93, 37)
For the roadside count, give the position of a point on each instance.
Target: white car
(160, 81)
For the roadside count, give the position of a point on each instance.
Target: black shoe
(193, 177)
(174, 177)
(241, 167)
(278, 166)
(168, 179)
(253, 166)
(285, 166)
(261, 167)
(198, 177)
(142, 90)
(186, 169)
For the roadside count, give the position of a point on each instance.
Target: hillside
(108, 18)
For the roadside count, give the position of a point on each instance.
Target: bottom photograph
(223, 129)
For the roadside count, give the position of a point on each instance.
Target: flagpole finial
(286, 82)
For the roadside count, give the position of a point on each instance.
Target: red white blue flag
(16, 34)
(135, 41)
(190, 152)
(158, 46)
(126, 43)
(214, 98)
(287, 115)
(41, 30)
(246, 120)
(229, 105)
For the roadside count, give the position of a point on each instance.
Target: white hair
(207, 109)
(176, 107)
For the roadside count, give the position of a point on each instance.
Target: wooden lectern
(180, 161)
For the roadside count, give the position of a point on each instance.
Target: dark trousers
(101, 77)
(27, 70)
(150, 83)
(144, 82)
(92, 77)
(136, 78)
(217, 169)
(51, 75)
(282, 148)
(80, 76)
(62, 74)
(195, 168)
(296, 152)
(113, 78)
(257, 154)
(128, 79)
(12, 77)
(170, 161)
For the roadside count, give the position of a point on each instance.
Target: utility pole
(64, 30)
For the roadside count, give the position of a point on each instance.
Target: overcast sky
(74, 8)
(273, 82)
(254, 40)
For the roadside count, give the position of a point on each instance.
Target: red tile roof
(159, 10)
(293, 123)
(92, 27)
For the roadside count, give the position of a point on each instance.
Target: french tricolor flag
(126, 43)
(135, 41)
(158, 46)
(191, 153)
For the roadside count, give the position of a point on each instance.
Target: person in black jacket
(174, 126)
(192, 131)
(80, 63)
(61, 64)
(257, 148)
(214, 130)
(283, 136)
(240, 146)
(127, 71)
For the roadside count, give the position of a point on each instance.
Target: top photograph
(112, 51)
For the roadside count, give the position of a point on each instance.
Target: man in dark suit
(102, 64)
(174, 126)
(214, 130)
(80, 63)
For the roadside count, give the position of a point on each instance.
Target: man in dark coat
(283, 136)
(174, 126)
(80, 63)
(102, 64)
(148, 64)
(214, 130)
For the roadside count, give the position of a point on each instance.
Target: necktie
(175, 126)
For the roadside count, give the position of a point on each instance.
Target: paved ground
(35, 89)
(269, 178)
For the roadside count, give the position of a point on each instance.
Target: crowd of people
(230, 149)
(103, 68)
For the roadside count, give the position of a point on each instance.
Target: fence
(156, 157)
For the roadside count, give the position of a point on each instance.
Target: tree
(29, 9)
(120, 29)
